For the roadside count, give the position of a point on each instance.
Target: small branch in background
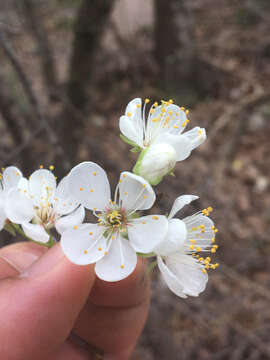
(52, 137)
(90, 23)
(39, 32)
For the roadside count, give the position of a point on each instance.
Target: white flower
(10, 178)
(38, 205)
(164, 125)
(183, 269)
(119, 234)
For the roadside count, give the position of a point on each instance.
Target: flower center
(114, 218)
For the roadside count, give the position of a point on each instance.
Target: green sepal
(128, 141)
(9, 228)
(146, 255)
(137, 166)
(135, 149)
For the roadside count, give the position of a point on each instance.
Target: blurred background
(68, 69)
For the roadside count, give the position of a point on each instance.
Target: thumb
(40, 306)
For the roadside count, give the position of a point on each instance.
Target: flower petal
(18, 207)
(119, 263)
(64, 202)
(135, 192)
(196, 137)
(3, 215)
(11, 177)
(147, 233)
(35, 232)
(23, 185)
(89, 184)
(42, 185)
(200, 229)
(131, 129)
(84, 244)
(188, 272)
(131, 125)
(180, 143)
(180, 202)
(71, 220)
(175, 238)
(171, 280)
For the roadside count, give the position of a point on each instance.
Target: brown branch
(39, 32)
(52, 137)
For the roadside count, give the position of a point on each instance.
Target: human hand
(52, 309)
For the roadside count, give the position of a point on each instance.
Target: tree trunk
(175, 45)
(89, 27)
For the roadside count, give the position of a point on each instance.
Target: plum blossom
(183, 269)
(38, 205)
(119, 233)
(9, 180)
(160, 137)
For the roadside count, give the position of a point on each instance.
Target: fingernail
(45, 263)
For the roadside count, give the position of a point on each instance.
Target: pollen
(95, 173)
(182, 108)
(129, 114)
(213, 239)
(155, 104)
(187, 111)
(176, 127)
(105, 252)
(138, 106)
(125, 193)
(204, 271)
(91, 190)
(90, 233)
(99, 249)
(147, 101)
(75, 227)
(170, 101)
(143, 222)
(41, 166)
(122, 266)
(51, 167)
(125, 175)
(85, 251)
(155, 217)
(81, 188)
(191, 247)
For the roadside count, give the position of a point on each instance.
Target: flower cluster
(121, 232)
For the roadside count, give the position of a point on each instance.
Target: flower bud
(156, 161)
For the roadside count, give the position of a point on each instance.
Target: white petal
(23, 185)
(3, 216)
(147, 233)
(42, 185)
(19, 208)
(171, 280)
(188, 272)
(196, 136)
(135, 192)
(201, 236)
(157, 162)
(63, 202)
(181, 144)
(68, 221)
(85, 244)
(119, 263)
(180, 202)
(35, 232)
(11, 177)
(89, 184)
(131, 129)
(175, 238)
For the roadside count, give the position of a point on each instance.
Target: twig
(32, 98)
